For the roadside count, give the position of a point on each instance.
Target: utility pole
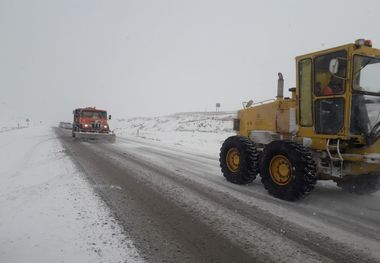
(217, 107)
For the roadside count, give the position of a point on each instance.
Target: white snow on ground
(48, 211)
(202, 134)
(200, 131)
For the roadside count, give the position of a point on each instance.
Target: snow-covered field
(11, 119)
(48, 211)
(203, 132)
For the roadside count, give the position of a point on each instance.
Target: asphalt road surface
(177, 207)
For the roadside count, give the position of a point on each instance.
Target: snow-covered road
(48, 211)
(177, 207)
(138, 200)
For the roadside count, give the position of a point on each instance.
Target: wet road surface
(177, 207)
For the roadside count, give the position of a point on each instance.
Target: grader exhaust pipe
(280, 86)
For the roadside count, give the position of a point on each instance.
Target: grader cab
(329, 129)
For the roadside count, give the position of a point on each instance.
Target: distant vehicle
(91, 123)
(66, 125)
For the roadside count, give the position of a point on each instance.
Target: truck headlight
(105, 126)
(86, 125)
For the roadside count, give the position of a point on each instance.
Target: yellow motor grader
(329, 129)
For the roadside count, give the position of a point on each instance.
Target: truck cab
(91, 123)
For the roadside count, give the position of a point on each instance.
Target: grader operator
(328, 130)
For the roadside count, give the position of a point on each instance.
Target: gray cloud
(138, 58)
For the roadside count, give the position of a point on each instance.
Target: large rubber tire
(287, 170)
(247, 160)
(363, 184)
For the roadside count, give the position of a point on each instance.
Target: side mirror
(109, 116)
(334, 65)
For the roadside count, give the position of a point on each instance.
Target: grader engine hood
(263, 123)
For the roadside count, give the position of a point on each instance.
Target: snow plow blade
(86, 136)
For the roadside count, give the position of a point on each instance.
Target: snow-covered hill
(10, 118)
(200, 131)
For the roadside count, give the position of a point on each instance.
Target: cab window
(305, 81)
(326, 83)
(329, 115)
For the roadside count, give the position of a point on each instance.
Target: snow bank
(200, 131)
(49, 213)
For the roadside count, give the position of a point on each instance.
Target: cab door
(329, 94)
(321, 95)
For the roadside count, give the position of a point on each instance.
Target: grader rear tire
(287, 170)
(239, 160)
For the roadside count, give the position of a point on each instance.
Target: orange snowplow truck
(91, 124)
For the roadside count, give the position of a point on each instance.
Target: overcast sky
(156, 57)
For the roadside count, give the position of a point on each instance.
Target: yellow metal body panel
(374, 148)
(370, 161)
(358, 168)
(271, 116)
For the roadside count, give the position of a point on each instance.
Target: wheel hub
(233, 159)
(280, 170)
